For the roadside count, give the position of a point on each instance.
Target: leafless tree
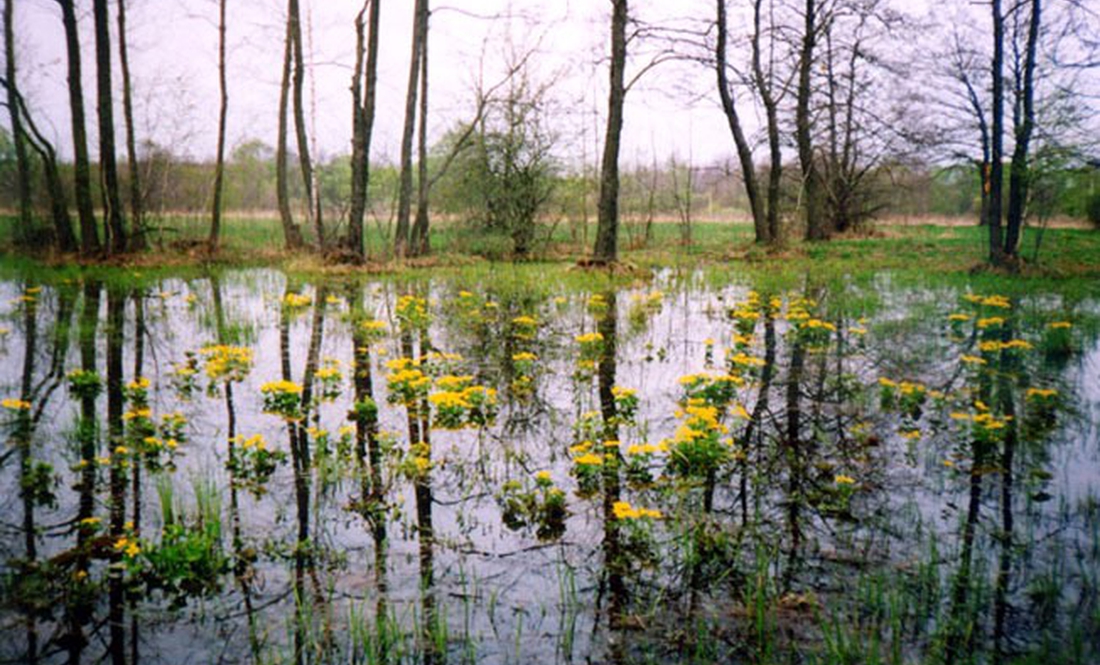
(364, 86)
(223, 112)
(112, 201)
(17, 134)
(89, 234)
(404, 203)
(138, 238)
(607, 226)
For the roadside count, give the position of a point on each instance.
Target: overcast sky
(173, 47)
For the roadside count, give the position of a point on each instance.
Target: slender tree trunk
(59, 204)
(363, 106)
(138, 239)
(105, 111)
(771, 112)
(744, 152)
(815, 227)
(996, 153)
(117, 480)
(292, 233)
(23, 174)
(223, 112)
(420, 245)
(607, 226)
(89, 234)
(305, 163)
(404, 199)
(1019, 179)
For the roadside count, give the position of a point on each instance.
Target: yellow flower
(1041, 393)
(524, 356)
(841, 479)
(140, 383)
(281, 386)
(623, 510)
(1055, 325)
(959, 317)
(14, 404)
(525, 321)
(296, 300)
(589, 338)
(972, 360)
(543, 476)
(590, 459)
(911, 434)
(991, 321)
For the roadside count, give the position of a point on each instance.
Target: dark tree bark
(89, 234)
(404, 199)
(764, 84)
(1019, 178)
(116, 303)
(292, 233)
(364, 86)
(305, 162)
(744, 151)
(22, 166)
(607, 226)
(419, 241)
(223, 112)
(59, 205)
(138, 239)
(996, 153)
(112, 202)
(815, 227)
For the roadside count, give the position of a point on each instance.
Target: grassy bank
(918, 251)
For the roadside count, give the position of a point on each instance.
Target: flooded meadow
(510, 467)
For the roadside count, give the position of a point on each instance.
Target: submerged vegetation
(536, 464)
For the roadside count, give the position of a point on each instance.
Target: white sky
(674, 110)
(173, 50)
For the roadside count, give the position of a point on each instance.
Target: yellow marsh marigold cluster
(227, 363)
(282, 398)
(296, 300)
(14, 404)
(624, 511)
(412, 311)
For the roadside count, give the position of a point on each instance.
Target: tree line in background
(845, 134)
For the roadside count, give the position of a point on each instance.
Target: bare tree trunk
(305, 163)
(404, 198)
(89, 234)
(59, 205)
(419, 245)
(607, 226)
(138, 239)
(363, 108)
(223, 112)
(815, 228)
(292, 234)
(23, 174)
(771, 112)
(744, 152)
(996, 156)
(105, 111)
(1019, 174)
